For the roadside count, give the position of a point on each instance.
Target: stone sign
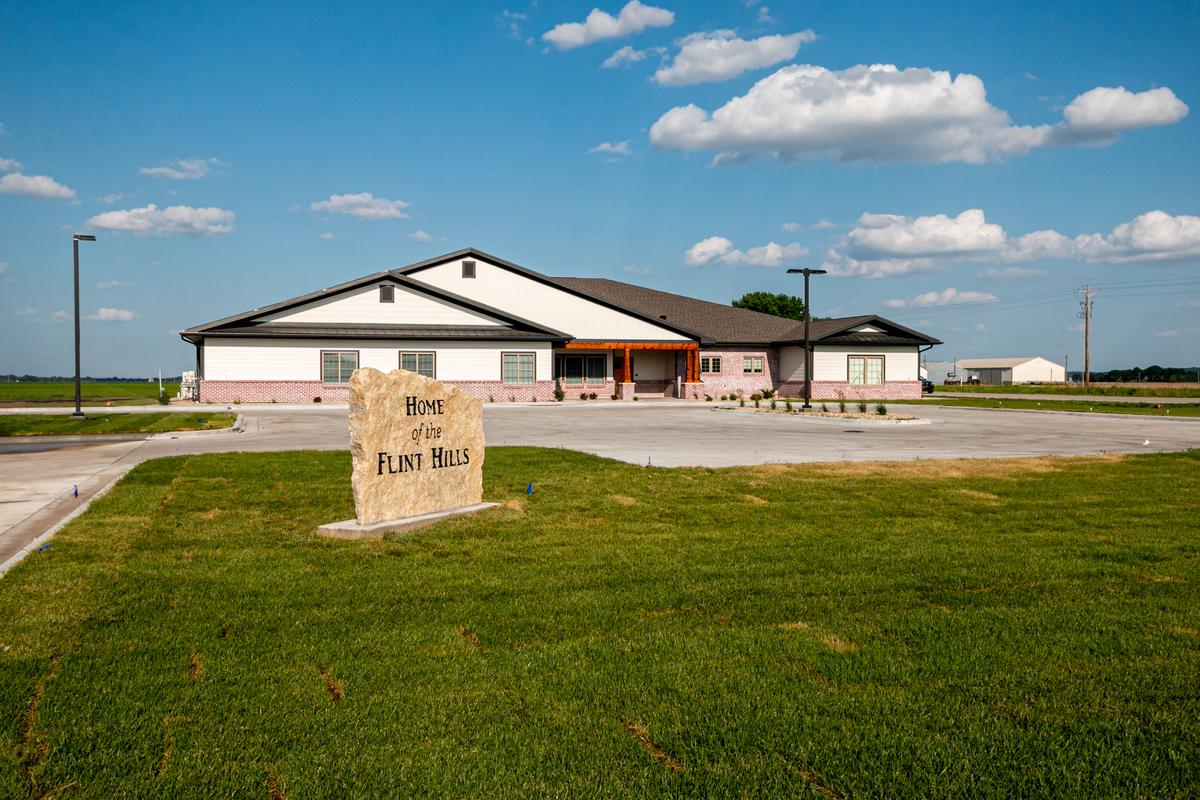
(417, 446)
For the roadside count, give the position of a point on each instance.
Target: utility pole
(1086, 294)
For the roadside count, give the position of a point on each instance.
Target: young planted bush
(880, 409)
(862, 406)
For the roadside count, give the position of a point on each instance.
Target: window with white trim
(420, 362)
(710, 364)
(338, 365)
(752, 365)
(517, 369)
(865, 370)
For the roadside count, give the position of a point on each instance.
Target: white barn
(504, 332)
(1005, 371)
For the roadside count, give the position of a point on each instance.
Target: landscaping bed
(947, 629)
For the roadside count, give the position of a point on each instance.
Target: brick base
(317, 392)
(838, 390)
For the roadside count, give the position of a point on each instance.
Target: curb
(19, 556)
(1092, 414)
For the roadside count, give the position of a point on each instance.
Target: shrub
(635, 397)
(841, 403)
(862, 406)
(559, 394)
(824, 407)
(592, 396)
(742, 402)
(708, 398)
(613, 396)
(756, 396)
(787, 405)
(491, 399)
(756, 400)
(583, 395)
(772, 404)
(163, 399)
(533, 399)
(880, 409)
(512, 398)
(767, 393)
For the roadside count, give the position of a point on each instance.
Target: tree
(781, 305)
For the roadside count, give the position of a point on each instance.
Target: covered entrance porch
(627, 369)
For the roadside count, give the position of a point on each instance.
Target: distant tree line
(1151, 374)
(71, 379)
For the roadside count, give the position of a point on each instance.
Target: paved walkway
(37, 488)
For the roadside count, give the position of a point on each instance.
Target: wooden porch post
(628, 365)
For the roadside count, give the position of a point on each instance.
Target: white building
(505, 332)
(1004, 371)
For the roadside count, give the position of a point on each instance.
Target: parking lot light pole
(807, 344)
(76, 239)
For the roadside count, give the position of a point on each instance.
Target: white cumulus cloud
(185, 169)
(946, 297)
(420, 236)
(326, 236)
(363, 205)
(880, 113)
(889, 244)
(172, 221)
(627, 55)
(35, 186)
(113, 285)
(613, 148)
(635, 17)
(718, 248)
(59, 316)
(721, 55)
(105, 314)
(8, 165)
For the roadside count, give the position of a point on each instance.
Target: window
(752, 365)
(420, 363)
(468, 269)
(710, 364)
(577, 370)
(337, 365)
(517, 368)
(387, 294)
(866, 370)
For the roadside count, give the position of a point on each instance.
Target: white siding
(791, 363)
(362, 306)
(237, 359)
(541, 303)
(829, 362)
(1039, 370)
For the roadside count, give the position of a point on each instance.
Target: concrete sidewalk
(1000, 394)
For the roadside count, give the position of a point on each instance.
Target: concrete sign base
(351, 529)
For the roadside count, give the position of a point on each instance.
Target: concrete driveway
(37, 489)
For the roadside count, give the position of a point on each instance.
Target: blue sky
(228, 155)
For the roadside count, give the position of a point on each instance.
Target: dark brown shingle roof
(724, 324)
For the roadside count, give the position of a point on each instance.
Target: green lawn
(1083, 405)
(134, 422)
(1106, 390)
(1023, 628)
(92, 392)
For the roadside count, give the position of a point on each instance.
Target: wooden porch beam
(631, 346)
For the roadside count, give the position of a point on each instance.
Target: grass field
(92, 392)
(1083, 405)
(133, 422)
(1024, 628)
(1095, 389)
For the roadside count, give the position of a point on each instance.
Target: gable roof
(249, 323)
(721, 324)
(562, 284)
(998, 363)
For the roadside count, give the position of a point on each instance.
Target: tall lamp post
(76, 239)
(807, 344)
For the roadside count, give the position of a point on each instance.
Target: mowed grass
(1095, 389)
(1024, 628)
(1085, 406)
(133, 422)
(92, 392)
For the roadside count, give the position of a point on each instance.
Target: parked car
(926, 386)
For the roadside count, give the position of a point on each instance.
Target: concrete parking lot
(37, 488)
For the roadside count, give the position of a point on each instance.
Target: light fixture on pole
(76, 239)
(807, 343)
